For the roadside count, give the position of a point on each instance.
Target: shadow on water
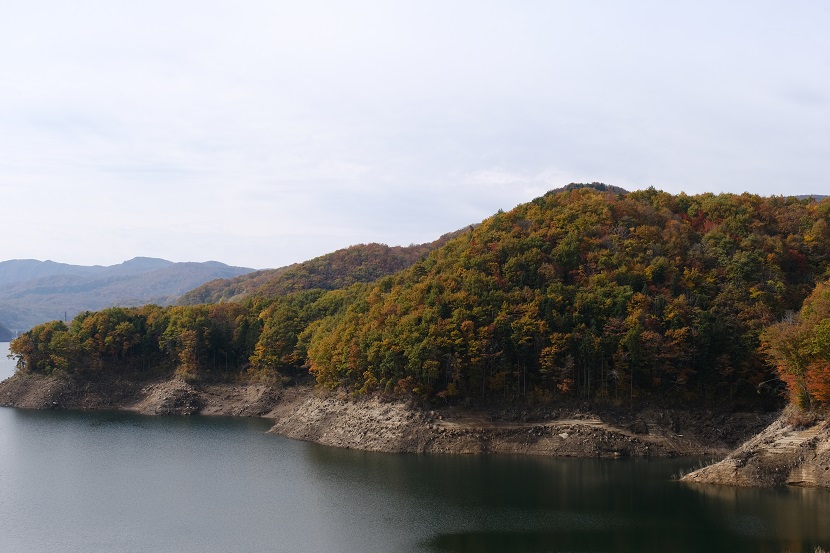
(644, 540)
(460, 504)
(685, 519)
(116, 419)
(565, 541)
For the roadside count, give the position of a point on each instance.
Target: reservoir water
(113, 482)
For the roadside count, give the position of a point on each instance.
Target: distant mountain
(339, 269)
(816, 197)
(32, 292)
(5, 334)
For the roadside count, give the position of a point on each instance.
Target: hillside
(339, 269)
(587, 294)
(32, 292)
(583, 294)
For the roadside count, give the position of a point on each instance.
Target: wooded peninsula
(587, 293)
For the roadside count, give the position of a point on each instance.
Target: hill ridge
(337, 269)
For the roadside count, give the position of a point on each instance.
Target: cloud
(268, 132)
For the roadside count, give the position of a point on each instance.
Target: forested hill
(32, 291)
(580, 293)
(588, 294)
(339, 269)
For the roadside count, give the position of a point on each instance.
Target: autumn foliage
(583, 293)
(594, 295)
(339, 269)
(800, 348)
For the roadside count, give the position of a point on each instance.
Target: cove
(115, 482)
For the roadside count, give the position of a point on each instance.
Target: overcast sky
(261, 133)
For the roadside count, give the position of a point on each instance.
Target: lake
(114, 482)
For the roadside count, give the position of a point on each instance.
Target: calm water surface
(123, 483)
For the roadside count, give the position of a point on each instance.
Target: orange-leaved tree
(800, 348)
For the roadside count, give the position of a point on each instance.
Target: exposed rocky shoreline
(153, 397)
(372, 424)
(794, 452)
(776, 451)
(376, 425)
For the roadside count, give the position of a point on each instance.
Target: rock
(371, 423)
(779, 455)
(639, 426)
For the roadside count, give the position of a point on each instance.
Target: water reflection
(459, 504)
(774, 513)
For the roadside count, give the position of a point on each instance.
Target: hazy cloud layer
(263, 133)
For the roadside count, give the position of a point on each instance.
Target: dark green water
(120, 483)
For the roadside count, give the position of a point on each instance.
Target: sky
(263, 133)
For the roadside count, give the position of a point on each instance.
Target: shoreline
(757, 450)
(785, 453)
(372, 424)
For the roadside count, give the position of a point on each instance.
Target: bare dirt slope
(376, 425)
(373, 424)
(161, 397)
(784, 453)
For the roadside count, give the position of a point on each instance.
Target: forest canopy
(581, 293)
